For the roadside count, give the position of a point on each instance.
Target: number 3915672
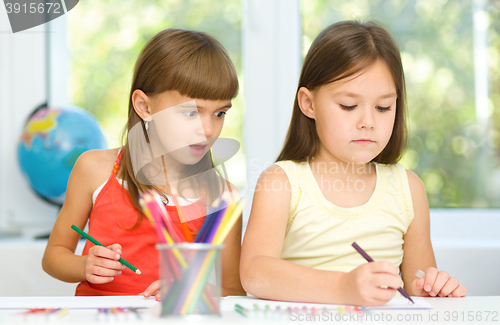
(41, 8)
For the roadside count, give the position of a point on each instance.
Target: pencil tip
(138, 272)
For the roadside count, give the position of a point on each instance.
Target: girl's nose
(366, 120)
(208, 127)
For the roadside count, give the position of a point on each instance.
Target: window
(450, 52)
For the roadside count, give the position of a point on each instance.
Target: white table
(474, 310)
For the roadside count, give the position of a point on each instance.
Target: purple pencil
(369, 259)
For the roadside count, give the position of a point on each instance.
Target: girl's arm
(231, 284)
(59, 259)
(418, 252)
(265, 275)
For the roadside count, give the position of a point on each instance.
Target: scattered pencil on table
(257, 311)
(369, 259)
(95, 242)
(135, 312)
(117, 315)
(240, 310)
(39, 315)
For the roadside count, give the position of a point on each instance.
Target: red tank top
(109, 220)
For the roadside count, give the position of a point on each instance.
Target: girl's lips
(198, 149)
(363, 141)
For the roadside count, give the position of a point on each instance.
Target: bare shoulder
(273, 183)
(274, 173)
(418, 194)
(97, 160)
(273, 177)
(95, 167)
(415, 183)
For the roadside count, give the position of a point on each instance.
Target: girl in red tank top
(182, 88)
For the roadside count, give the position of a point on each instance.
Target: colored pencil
(95, 242)
(240, 310)
(188, 291)
(182, 217)
(149, 203)
(209, 219)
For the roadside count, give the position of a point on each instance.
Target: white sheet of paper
(80, 302)
(400, 302)
(397, 302)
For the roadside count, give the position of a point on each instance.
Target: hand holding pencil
(103, 263)
(369, 259)
(370, 284)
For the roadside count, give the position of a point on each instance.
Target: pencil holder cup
(190, 277)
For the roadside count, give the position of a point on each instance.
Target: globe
(52, 140)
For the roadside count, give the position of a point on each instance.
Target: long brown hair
(191, 62)
(339, 51)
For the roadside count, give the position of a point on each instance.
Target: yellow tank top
(319, 234)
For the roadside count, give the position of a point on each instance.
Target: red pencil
(182, 217)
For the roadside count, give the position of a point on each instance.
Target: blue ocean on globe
(50, 143)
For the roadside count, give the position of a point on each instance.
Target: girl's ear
(142, 105)
(305, 101)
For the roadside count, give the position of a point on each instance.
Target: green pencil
(240, 310)
(95, 242)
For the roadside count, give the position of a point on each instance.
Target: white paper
(397, 302)
(80, 302)
(400, 302)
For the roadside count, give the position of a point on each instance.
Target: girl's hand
(437, 283)
(153, 290)
(102, 264)
(371, 284)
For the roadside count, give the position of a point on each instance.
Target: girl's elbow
(45, 264)
(246, 282)
(249, 276)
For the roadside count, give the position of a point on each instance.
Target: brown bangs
(207, 74)
(199, 67)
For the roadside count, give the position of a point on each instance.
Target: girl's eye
(220, 114)
(383, 109)
(347, 108)
(190, 113)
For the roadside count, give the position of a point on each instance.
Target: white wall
(271, 67)
(467, 245)
(22, 89)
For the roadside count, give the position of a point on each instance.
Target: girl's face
(185, 127)
(354, 116)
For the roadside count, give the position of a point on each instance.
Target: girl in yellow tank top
(337, 181)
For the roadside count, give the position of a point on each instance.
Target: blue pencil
(205, 227)
(215, 226)
(208, 221)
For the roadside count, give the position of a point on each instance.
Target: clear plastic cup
(190, 275)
